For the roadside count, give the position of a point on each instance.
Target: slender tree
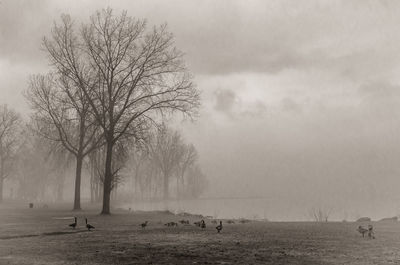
(9, 137)
(61, 112)
(196, 182)
(166, 152)
(61, 161)
(127, 73)
(188, 159)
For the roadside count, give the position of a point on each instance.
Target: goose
(219, 227)
(371, 233)
(362, 230)
(73, 225)
(171, 224)
(202, 224)
(89, 226)
(144, 224)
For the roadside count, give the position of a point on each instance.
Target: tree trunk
(107, 179)
(115, 190)
(1, 189)
(60, 190)
(166, 184)
(98, 192)
(91, 190)
(183, 190)
(177, 188)
(92, 186)
(77, 200)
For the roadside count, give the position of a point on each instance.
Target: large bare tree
(9, 137)
(129, 75)
(61, 113)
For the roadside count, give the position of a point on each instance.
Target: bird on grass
(89, 226)
(73, 225)
(184, 222)
(219, 227)
(371, 233)
(362, 230)
(143, 225)
(202, 224)
(171, 224)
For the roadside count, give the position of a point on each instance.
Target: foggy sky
(300, 101)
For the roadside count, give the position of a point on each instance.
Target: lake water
(268, 208)
(249, 208)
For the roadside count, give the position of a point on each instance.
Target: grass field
(35, 236)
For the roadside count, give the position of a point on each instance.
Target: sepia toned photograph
(199, 132)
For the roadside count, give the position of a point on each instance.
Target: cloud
(260, 64)
(235, 107)
(256, 109)
(231, 36)
(380, 99)
(290, 105)
(224, 101)
(22, 25)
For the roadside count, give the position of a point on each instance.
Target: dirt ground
(38, 236)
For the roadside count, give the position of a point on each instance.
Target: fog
(299, 101)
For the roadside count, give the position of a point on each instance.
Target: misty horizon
(299, 102)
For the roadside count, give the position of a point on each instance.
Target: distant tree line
(161, 166)
(166, 161)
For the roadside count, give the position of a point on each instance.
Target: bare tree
(9, 137)
(166, 152)
(61, 161)
(96, 162)
(163, 156)
(136, 165)
(197, 182)
(62, 115)
(40, 182)
(128, 75)
(319, 214)
(188, 159)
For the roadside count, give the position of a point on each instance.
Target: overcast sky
(300, 99)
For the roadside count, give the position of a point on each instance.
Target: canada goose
(219, 227)
(171, 224)
(89, 226)
(144, 224)
(202, 224)
(371, 233)
(362, 230)
(73, 225)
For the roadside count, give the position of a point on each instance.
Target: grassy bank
(40, 236)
